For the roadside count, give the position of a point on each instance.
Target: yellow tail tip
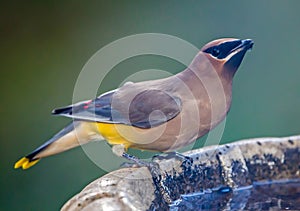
(25, 163)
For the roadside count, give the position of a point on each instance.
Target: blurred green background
(44, 45)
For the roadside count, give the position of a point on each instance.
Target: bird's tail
(66, 139)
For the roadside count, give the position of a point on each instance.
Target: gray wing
(148, 108)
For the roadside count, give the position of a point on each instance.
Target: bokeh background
(45, 44)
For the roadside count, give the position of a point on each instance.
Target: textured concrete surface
(233, 165)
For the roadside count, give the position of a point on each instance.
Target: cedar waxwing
(160, 115)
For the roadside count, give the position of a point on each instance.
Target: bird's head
(227, 54)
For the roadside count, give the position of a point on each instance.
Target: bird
(160, 115)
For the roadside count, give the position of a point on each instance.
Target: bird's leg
(134, 159)
(120, 151)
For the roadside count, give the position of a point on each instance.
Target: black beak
(245, 45)
(236, 59)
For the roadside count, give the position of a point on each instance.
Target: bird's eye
(215, 52)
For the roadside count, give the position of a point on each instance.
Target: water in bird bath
(269, 195)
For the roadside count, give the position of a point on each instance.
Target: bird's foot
(130, 165)
(175, 155)
(134, 162)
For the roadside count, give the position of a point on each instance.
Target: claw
(171, 155)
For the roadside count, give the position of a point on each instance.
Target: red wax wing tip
(87, 104)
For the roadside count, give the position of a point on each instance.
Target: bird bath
(253, 174)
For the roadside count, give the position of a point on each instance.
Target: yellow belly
(115, 134)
